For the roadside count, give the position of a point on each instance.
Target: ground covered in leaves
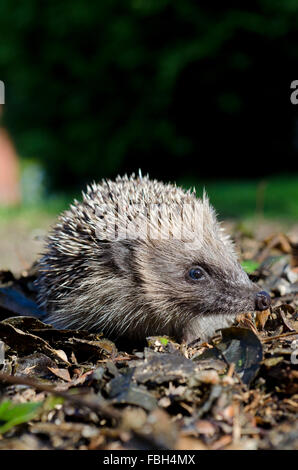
(77, 390)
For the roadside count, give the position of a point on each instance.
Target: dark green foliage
(93, 86)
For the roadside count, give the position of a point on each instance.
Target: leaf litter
(69, 389)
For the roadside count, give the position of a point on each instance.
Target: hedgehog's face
(189, 282)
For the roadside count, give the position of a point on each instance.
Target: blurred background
(185, 90)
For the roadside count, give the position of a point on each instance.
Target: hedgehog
(138, 258)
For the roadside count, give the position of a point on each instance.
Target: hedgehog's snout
(262, 301)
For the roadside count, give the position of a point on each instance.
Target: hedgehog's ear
(122, 252)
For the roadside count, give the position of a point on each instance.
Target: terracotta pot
(9, 171)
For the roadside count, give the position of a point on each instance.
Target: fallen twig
(106, 410)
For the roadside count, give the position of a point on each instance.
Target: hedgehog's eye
(196, 274)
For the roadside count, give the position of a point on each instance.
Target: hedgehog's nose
(263, 300)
